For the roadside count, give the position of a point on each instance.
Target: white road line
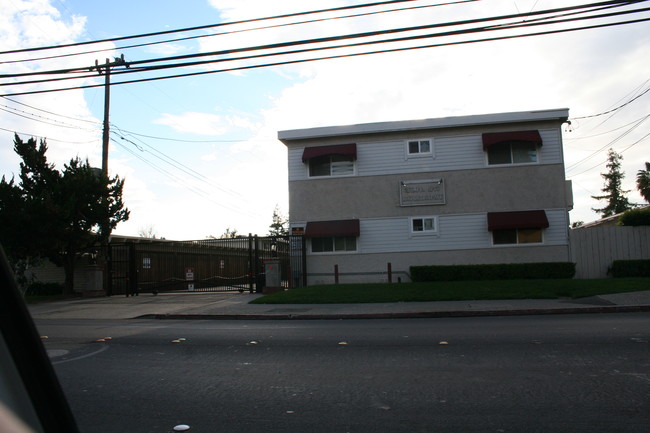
(88, 355)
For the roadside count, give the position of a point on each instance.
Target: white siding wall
(459, 152)
(456, 232)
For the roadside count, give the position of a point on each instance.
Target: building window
(416, 148)
(517, 236)
(331, 165)
(333, 244)
(424, 225)
(512, 152)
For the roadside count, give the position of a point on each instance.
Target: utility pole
(106, 71)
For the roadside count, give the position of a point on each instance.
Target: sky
(200, 154)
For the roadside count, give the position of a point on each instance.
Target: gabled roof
(560, 114)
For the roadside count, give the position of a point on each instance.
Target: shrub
(630, 268)
(510, 271)
(635, 217)
(38, 288)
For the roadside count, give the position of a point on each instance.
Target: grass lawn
(454, 291)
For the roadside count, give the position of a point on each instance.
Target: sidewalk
(236, 306)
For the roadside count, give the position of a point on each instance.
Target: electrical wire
(46, 138)
(291, 62)
(50, 112)
(609, 144)
(602, 162)
(174, 163)
(200, 192)
(208, 26)
(167, 41)
(529, 23)
(614, 109)
(41, 119)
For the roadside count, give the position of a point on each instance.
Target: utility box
(273, 274)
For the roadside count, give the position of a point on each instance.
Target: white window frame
(334, 251)
(354, 169)
(418, 154)
(508, 164)
(424, 232)
(519, 244)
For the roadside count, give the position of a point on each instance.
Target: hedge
(635, 217)
(509, 271)
(630, 268)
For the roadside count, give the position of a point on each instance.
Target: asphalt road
(583, 373)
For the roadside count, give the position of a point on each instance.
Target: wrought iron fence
(210, 265)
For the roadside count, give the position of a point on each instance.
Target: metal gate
(210, 265)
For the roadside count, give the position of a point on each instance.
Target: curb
(411, 315)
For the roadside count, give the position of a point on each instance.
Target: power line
(614, 109)
(584, 8)
(46, 138)
(166, 41)
(602, 162)
(609, 144)
(284, 63)
(208, 26)
(175, 163)
(585, 137)
(50, 112)
(41, 119)
(200, 192)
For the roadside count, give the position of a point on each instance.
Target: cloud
(166, 49)
(210, 124)
(587, 71)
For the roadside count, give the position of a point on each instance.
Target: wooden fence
(593, 249)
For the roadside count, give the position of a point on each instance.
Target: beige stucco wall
(467, 191)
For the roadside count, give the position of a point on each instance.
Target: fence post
(336, 274)
(108, 270)
(251, 266)
(390, 272)
(303, 253)
(259, 285)
(133, 271)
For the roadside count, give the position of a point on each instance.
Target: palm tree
(643, 182)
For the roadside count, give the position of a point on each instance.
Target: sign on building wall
(423, 192)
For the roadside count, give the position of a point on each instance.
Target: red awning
(338, 149)
(499, 137)
(321, 229)
(530, 219)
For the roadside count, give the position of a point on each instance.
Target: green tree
(614, 195)
(643, 182)
(57, 215)
(280, 224)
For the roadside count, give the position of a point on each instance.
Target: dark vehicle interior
(31, 398)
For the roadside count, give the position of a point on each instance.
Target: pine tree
(614, 195)
(279, 226)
